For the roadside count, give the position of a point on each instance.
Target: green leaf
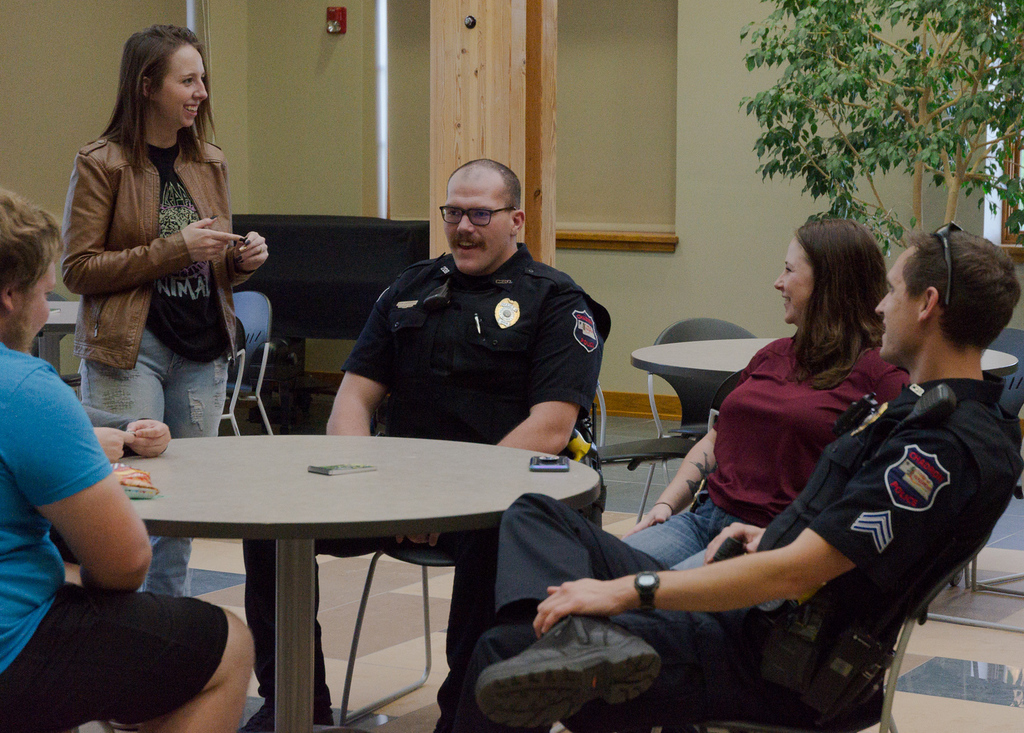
(833, 118)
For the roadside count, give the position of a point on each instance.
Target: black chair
(950, 562)
(695, 391)
(695, 395)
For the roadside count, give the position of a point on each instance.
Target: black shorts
(106, 655)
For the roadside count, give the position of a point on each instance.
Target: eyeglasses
(943, 234)
(477, 217)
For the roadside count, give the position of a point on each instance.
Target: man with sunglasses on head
(595, 634)
(483, 345)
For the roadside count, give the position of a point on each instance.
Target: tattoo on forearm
(705, 468)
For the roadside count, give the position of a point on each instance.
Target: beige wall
(616, 115)
(226, 32)
(651, 136)
(58, 79)
(409, 108)
(305, 96)
(733, 227)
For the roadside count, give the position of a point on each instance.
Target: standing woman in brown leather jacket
(148, 245)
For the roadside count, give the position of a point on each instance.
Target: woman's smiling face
(175, 102)
(796, 283)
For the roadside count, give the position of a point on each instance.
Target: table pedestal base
(293, 687)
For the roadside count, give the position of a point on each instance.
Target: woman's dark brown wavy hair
(146, 55)
(840, 322)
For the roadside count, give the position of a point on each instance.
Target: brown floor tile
(418, 721)
(391, 618)
(233, 596)
(910, 661)
(979, 606)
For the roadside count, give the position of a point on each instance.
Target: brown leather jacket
(112, 253)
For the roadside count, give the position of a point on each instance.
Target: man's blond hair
(29, 241)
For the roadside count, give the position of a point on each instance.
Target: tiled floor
(956, 678)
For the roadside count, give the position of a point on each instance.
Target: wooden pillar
(539, 177)
(492, 95)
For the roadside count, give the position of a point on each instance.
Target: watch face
(646, 583)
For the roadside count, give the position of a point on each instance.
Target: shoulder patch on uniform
(876, 524)
(915, 479)
(584, 330)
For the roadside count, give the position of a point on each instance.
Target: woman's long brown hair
(840, 322)
(146, 55)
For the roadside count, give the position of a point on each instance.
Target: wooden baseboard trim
(637, 404)
(617, 241)
(331, 378)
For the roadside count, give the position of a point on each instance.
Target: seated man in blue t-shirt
(68, 653)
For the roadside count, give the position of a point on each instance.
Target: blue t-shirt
(48, 452)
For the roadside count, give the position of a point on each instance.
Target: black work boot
(578, 660)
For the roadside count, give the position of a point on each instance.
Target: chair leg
(991, 585)
(263, 413)
(972, 584)
(604, 416)
(348, 716)
(647, 491)
(355, 636)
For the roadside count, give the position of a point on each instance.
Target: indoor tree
(931, 89)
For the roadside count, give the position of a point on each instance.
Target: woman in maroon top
(773, 427)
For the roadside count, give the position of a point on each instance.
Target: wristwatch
(646, 583)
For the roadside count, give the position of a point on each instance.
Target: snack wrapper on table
(136, 483)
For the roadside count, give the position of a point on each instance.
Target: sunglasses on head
(943, 234)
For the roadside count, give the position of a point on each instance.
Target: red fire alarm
(336, 21)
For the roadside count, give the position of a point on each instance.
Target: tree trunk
(952, 199)
(917, 194)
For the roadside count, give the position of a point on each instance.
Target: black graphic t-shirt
(184, 313)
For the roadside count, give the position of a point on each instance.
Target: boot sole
(524, 695)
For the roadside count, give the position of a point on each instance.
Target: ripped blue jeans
(189, 397)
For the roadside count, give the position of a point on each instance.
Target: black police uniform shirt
(915, 491)
(887, 518)
(472, 365)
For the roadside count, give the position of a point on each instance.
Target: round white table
(730, 355)
(258, 487)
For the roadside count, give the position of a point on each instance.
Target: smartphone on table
(549, 463)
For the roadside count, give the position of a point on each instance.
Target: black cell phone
(730, 547)
(549, 463)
